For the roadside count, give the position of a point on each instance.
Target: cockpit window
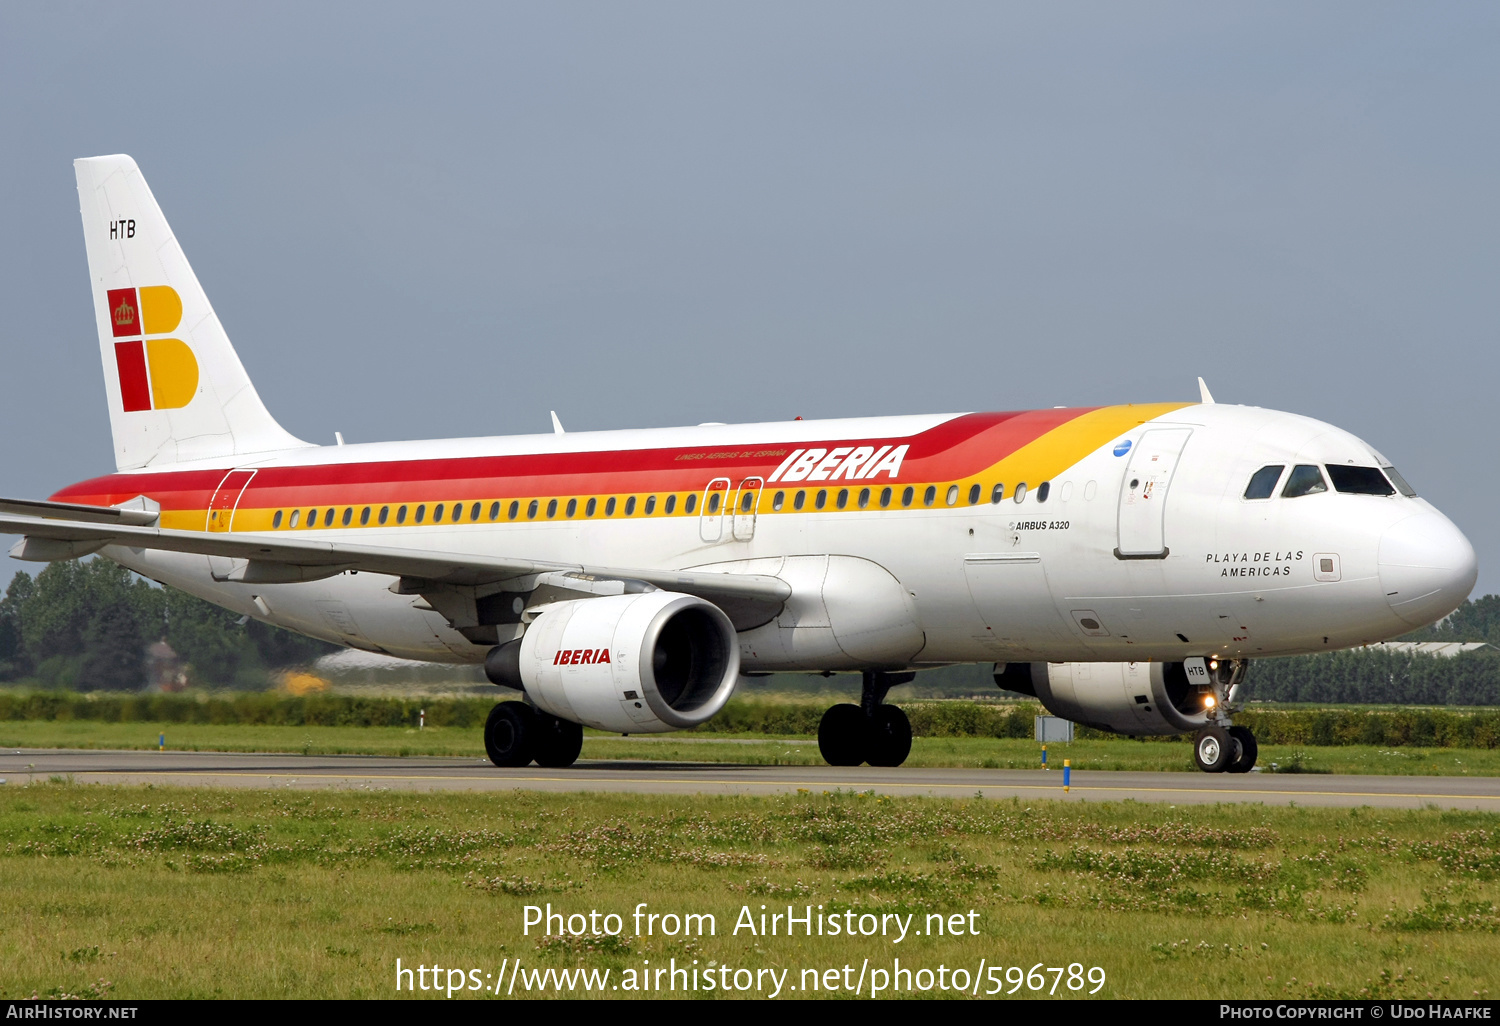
(1400, 483)
(1263, 482)
(1303, 480)
(1359, 480)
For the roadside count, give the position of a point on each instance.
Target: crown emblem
(124, 314)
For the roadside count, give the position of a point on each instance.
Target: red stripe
(955, 448)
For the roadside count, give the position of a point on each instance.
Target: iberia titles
(1255, 564)
(850, 462)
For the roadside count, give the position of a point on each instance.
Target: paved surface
(349, 772)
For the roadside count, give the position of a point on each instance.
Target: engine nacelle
(636, 664)
(1126, 698)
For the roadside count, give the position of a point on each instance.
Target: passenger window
(690, 503)
(364, 516)
(437, 513)
(885, 497)
(778, 500)
(590, 507)
(494, 511)
(312, 518)
(401, 515)
(1359, 480)
(422, 513)
(276, 520)
(746, 504)
(1043, 490)
(1400, 483)
(510, 514)
(531, 509)
(929, 495)
(843, 498)
(713, 503)
(822, 499)
(630, 505)
(551, 508)
(800, 500)
(328, 517)
(458, 512)
(1263, 482)
(864, 497)
(907, 495)
(651, 505)
(974, 495)
(997, 494)
(671, 504)
(953, 495)
(348, 515)
(572, 506)
(609, 506)
(1303, 480)
(474, 510)
(385, 513)
(1020, 492)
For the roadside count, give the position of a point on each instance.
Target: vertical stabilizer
(176, 389)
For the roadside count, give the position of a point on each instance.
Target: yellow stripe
(1066, 444)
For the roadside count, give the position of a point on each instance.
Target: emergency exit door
(1143, 493)
(746, 503)
(226, 498)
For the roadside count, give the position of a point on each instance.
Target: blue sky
(447, 219)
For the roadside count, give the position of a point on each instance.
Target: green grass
(754, 749)
(139, 892)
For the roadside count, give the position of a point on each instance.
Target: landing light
(1210, 701)
(1213, 664)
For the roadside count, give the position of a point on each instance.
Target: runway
(359, 772)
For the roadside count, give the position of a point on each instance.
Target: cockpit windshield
(1359, 480)
(1263, 482)
(1400, 483)
(1303, 480)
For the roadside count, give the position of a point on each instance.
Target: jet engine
(1126, 698)
(634, 664)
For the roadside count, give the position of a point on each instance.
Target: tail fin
(176, 389)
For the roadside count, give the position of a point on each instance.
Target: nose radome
(1427, 567)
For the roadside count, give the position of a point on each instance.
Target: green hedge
(1433, 728)
(265, 708)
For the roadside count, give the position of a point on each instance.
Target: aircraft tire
(558, 741)
(510, 734)
(843, 735)
(889, 737)
(1214, 750)
(1249, 750)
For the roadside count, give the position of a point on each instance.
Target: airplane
(1121, 564)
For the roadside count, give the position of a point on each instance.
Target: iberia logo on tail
(155, 373)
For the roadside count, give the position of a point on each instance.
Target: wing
(64, 531)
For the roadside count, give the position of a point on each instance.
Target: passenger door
(1143, 493)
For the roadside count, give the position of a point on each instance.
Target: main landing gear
(515, 734)
(1225, 749)
(869, 732)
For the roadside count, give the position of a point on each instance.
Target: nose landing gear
(1225, 749)
(869, 732)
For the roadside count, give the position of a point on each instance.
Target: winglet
(1206, 396)
(557, 427)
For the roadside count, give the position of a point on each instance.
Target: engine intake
(643, 663)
